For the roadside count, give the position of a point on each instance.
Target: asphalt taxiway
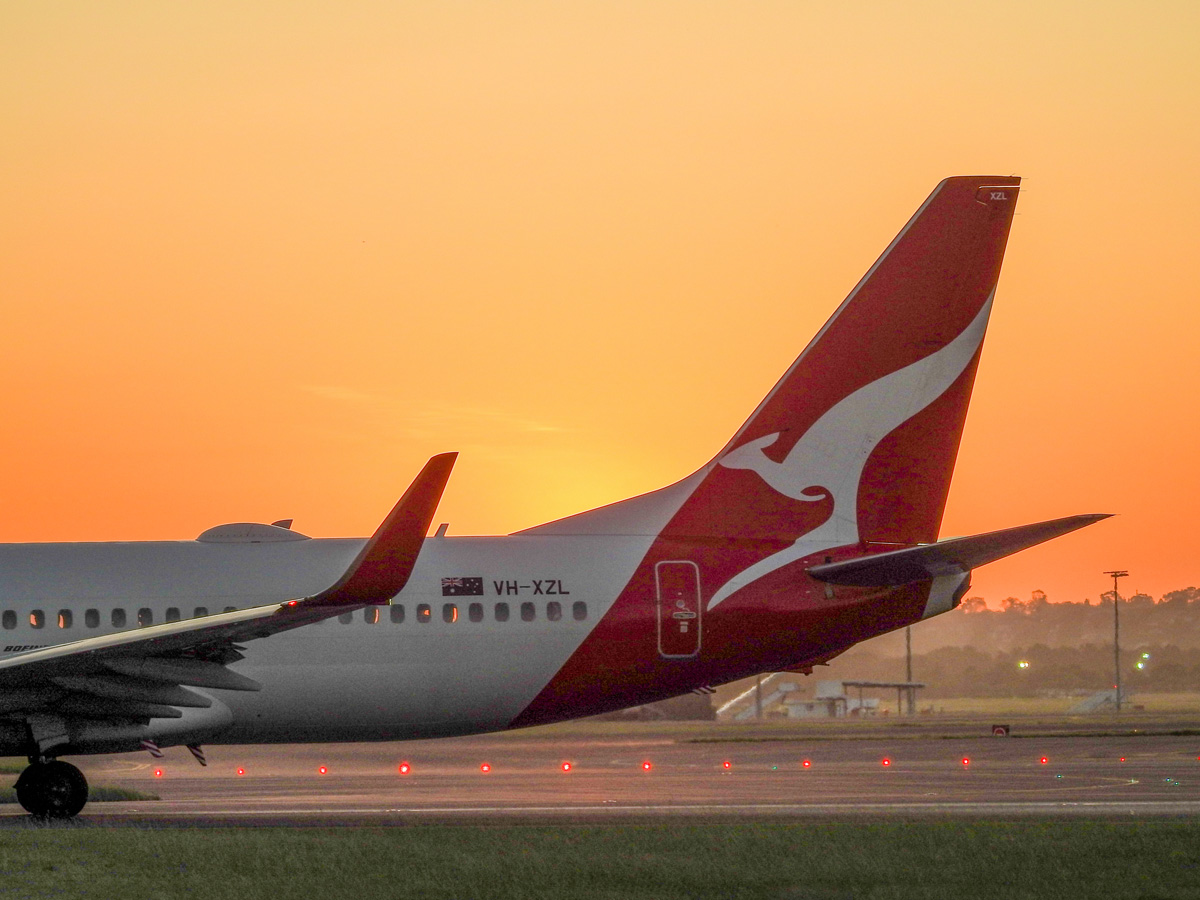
(720, 774)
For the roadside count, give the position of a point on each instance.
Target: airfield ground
(1094, 806)
(1142, 765)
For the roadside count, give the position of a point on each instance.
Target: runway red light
(323, 771)
(405, 768)
(1044, 760)
(727, 765)
(1122, 759)
(807, 764)
(485, 768)
(966, 760)
(158, 773)
(886, 761)
(241, 771)
(646, 766)
(566, 767)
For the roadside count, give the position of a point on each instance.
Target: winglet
(382, 567)
(955, 554)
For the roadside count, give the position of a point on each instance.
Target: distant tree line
(975, 651)
(1047, 671)
(1172, 620)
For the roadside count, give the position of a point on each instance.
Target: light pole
(1117, 573)
(908, 667)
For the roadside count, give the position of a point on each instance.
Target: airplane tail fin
(863, 430)
(857, 441)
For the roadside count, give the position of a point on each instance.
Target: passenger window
(553, 610)
(172, 613)
(475, 612)
(9, 619)
(200, 612)
(371, 615)
(91, 618)
(346, 618)
(145, 617)
(527, 612)
(423, 612)
(37, 618)
(449, 612)
(579, 610)
(118, 618)
(64, 618)
(397, 614)
(501, 612)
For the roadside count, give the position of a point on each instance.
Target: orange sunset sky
(262, 260)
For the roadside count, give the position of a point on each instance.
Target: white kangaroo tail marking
(831, 455)
(779, 476)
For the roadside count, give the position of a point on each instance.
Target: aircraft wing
(898, 567)
(141, 673)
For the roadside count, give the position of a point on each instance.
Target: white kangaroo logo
(784, 478)
(829, 458)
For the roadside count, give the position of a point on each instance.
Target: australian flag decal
(462, 587)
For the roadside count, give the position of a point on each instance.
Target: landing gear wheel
(52, 790)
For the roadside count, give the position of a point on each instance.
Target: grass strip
(831, 861)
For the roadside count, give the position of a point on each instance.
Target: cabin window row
(501, 612)
(91, 617)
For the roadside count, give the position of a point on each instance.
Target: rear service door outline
(677, 590)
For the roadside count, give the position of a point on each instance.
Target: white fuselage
(361, 676)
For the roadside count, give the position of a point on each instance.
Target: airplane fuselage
(478, 635)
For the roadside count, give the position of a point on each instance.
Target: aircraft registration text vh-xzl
(814, 528)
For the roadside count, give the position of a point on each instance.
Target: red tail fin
(864, 427)
(858, 440)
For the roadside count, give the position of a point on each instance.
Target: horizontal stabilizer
(899, 567)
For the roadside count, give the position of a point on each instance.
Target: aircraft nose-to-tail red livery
(813, 529)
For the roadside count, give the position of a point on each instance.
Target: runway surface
(721, 774)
